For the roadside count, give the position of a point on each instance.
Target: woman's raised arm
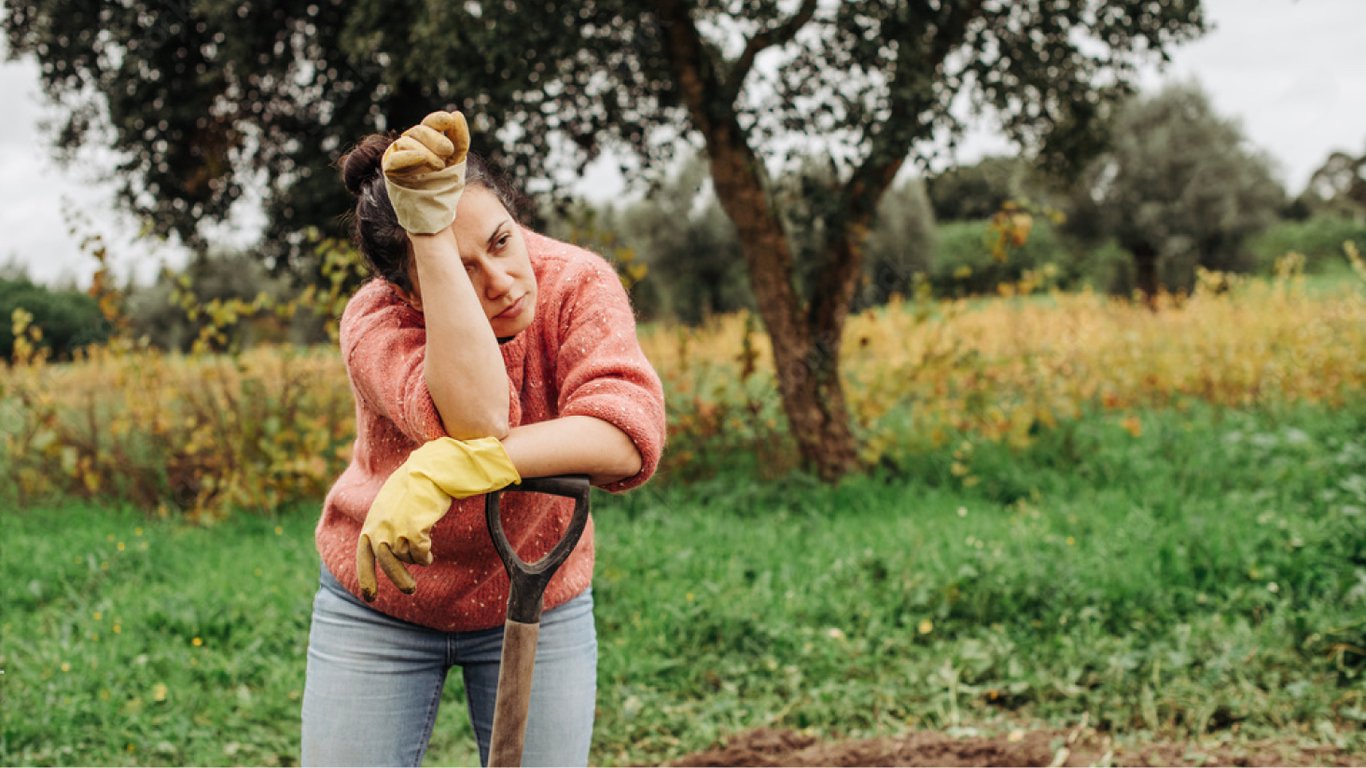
(424, 173)
(464, 368)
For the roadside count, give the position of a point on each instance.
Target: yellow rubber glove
(417, 495)
(424, 172)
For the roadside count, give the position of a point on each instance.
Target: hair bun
(362, 163)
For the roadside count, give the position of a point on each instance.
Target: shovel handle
(529, 580)
(514, 693)
(527, 587)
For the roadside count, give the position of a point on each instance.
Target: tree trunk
(806, 360)
(1145, 272)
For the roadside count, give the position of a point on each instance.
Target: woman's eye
(502, 242)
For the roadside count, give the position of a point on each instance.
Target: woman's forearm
(573, 445)
(464, 368)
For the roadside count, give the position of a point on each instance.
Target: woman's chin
(506, 330)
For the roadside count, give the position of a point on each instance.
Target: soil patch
(1077, 747)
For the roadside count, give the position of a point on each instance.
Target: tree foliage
(169, 313)
(1338, 187)
(1178, 188)
(200, 96)
(690, 246)
(977, 191)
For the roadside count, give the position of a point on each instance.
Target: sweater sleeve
(602, 371)
(384, 345)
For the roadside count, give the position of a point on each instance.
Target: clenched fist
(424, 172)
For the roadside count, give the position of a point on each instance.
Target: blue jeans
(374, 683)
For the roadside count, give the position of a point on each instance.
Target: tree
(1339, 186)
(1178, 187)
(690, 246)
(977, 191)
(200, 94)
(899, 245)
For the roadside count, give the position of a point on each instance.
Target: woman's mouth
(513, 309)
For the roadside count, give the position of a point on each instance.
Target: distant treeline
(1177, 190)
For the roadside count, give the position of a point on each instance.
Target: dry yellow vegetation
(205, 434)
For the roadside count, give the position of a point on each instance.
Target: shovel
(523, 627)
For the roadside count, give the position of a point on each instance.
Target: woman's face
(495, 257)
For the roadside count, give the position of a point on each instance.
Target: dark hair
(374, 225)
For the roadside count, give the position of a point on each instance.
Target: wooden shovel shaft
(514, 693)
(526, 588)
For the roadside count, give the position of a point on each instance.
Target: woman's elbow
(474, 424)
(626, 464)
(634, 463)
(469, 418)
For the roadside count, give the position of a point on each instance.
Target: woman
(480, 353)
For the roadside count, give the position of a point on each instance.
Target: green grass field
(1205, 578)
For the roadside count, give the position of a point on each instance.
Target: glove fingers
(408, 153)
(390, 160)
(395, 570)
(417, 552)
(440, 120)
(453, 125)
(399, 549)
(459, 134)
(431, 139)
(397, 161)
(365, 569)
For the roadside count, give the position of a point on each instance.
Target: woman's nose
(498, 281)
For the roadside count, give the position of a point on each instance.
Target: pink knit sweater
(580, 356)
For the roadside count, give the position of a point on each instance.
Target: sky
(1291, 73)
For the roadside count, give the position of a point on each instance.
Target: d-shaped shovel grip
(529, 580)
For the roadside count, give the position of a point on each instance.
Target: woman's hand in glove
(398, 527)
(424, 172)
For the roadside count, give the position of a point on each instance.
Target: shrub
(964, 263)
(1319, 239)
(69, 319)
(165, 312)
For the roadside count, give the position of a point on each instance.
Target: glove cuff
(425, 203)
(464, 468)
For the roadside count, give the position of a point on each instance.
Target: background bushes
(68, 318)
(1318, 238)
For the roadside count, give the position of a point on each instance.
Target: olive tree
(1179, 187)
(200, 97)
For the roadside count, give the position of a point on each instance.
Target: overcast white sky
(1291, 72)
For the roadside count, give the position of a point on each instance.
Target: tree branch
(692, 64)
(761, 41)
(889, 145)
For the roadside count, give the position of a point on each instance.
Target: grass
(1203, 577)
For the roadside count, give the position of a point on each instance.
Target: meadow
(1206, 579)
(1077, 510)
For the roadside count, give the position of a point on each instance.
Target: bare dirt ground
(1076, 747)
